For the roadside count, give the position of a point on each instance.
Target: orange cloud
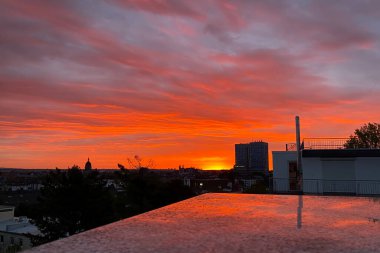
(179, 82)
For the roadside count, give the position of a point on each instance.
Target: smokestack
(299, 158)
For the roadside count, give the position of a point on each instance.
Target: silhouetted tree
(258, 188)
(121, 167)
(70, 202)
(145, 190)
(145, 193)
(138, 162)
(229, 174)
(367, 136)
(73, 201)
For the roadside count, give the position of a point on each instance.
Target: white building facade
(15, 231)
(329, 171)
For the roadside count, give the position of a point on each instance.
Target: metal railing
(291, 147)
(324, 143)
(322, 186)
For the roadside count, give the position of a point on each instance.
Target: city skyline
(180, 82)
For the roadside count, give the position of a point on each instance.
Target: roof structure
(239, 223)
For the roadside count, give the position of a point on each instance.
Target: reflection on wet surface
(299, 211)
(240, 223)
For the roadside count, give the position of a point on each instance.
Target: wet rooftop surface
(239, 223)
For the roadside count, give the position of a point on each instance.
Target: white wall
(367, 171)
(328, 175)
(367, 168)
(7, 213)
(355, 175)
(312, 175)
(281, 161)
(339, 175)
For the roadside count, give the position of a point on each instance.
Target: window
(12, 240)
(1, 238)
(20, 242)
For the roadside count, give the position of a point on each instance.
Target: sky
(180, 82)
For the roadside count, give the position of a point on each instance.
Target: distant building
(88, 166)
(200, 186)
(18, 180)
(188, 172)
(15, 231)
(251, 159)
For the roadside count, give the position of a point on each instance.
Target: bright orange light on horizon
(217, 167)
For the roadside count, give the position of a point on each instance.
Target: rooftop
(344, 153)
(18, 225)
(6, 208)
(239, 223)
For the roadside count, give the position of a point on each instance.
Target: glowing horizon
(180, 82)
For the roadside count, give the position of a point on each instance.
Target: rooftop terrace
(239, 223)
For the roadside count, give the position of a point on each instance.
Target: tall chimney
(299, 158)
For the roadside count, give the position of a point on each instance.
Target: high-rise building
(251, 158)
(241, 155)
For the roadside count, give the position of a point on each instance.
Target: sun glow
(217, 167)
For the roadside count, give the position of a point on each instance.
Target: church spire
(88, 165)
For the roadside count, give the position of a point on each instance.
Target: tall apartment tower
(251, 158)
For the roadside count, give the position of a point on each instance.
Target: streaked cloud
(180, 81)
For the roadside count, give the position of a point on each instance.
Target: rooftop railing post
(299, 157)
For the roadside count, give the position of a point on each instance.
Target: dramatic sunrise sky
(180, 82)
